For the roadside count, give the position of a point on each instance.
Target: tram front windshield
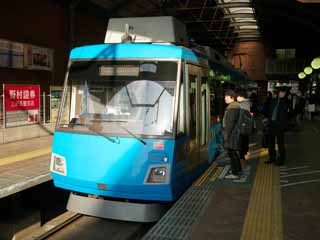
(120, 97)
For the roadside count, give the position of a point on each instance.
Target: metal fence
(44, 111)
(1, 111)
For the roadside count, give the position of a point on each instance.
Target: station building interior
(272, 44)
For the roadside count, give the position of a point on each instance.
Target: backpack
(246, 123)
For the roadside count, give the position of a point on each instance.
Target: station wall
(250, 57)
(46, 23)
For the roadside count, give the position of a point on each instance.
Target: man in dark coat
(245, 105)
(277, 114)
(231, 133)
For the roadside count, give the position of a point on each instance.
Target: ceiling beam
(204, 21)
(219, 6)
(308, 1)
(249, 39)
(231, 25)
(239, 15)
(203, 7)
(241, 24)
(226, 30)
(234, 5)
(251, 35)
(214, 36)
(245, 31)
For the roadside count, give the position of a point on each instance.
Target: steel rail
(60, 225)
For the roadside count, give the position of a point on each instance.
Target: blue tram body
(139, 140)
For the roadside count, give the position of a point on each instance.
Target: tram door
(204, 115)
(193, 115)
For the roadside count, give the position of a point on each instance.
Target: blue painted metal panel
(183, 176)
(122, 166)
(216, 142)
(136, 51)
(179, 173)
(142, 192)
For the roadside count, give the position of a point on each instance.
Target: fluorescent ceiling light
(241, 10)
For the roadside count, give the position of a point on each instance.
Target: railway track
(76, 226)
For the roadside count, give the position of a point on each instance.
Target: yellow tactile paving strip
(206, 175)
(216, 174)
(263, 219)
(24, 156)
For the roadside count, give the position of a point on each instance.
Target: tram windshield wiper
(132, 134)
(98, 133)
(122, 127)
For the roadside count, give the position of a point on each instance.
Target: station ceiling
(222, 23)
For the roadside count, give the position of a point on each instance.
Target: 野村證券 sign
(22, 104)
(21, 97)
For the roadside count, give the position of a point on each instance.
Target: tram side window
(216, 103)
(203, 111)
(193, 106)
(181, 113)
(65, 116)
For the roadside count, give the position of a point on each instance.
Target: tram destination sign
(118, 70)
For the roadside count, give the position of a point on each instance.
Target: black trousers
(244, 145)
(235, 161)
(273, 134)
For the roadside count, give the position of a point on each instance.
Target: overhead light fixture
(302, 75)
(309, 1)
(315, 64)
(308, 70)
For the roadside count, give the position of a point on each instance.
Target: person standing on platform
(231, 133)
(245, 105)
(299, 108)
(277, 114)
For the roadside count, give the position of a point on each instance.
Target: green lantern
(301, 75)
(307, 70)
(315, 64)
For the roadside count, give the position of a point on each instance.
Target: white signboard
(38, 58)
(11, 54)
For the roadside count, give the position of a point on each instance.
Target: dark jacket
(245, 105)
(230, 129)
(281, 122)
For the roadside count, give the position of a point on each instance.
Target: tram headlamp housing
(58, 164)
(158, 174)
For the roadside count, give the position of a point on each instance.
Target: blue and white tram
(133, 128)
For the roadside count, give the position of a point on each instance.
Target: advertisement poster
(22, 104)
(56, 94)
(38, 58)
(11, 54)
(4, 53)
(17, 55)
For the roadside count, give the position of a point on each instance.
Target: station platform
(24, 164)
(269, 203)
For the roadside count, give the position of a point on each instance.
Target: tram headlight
(58, 164)
(158, 175)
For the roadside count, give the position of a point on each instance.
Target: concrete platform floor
(225, 215)
(24, 164)
(300, 184)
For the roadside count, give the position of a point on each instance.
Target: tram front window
(120, 98)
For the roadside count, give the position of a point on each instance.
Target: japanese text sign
(21, 97)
